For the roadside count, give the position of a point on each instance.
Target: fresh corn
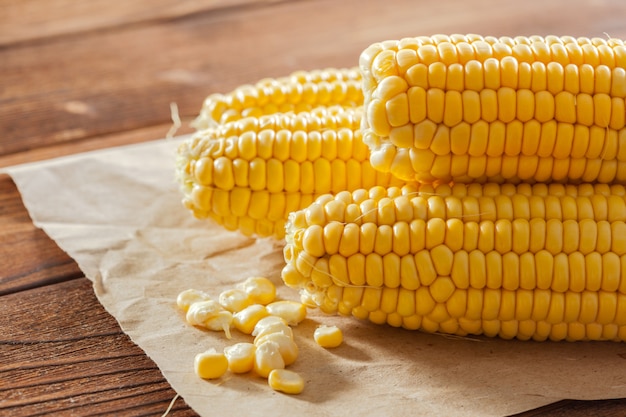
(328, 336)
(292, 312)
(302, 91)
(250, 174)
(271, 324)
(516, 261)
(267, 357)
(286, 345)
(286, 381)
(260, 289)
(234, 300)
(210, 315)
(240, 357)
(188, 297)
(468, 108)
(210, 364)
(246, 319)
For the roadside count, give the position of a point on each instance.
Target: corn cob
(302, 91)
(250, 174)
(484, 109)
(516, 261)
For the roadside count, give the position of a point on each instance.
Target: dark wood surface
(82, 75)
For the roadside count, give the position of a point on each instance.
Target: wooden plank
(569, 408)
(93, 143)
(68, 356)
(71, 88)
(28, 20)
(28, 257)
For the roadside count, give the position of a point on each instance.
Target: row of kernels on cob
(248, 175)
(487, 109)
(527, 278)
(302, 91)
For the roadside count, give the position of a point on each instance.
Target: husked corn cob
(302, 91)
(516, 261)
(468, 108)
(250, 174)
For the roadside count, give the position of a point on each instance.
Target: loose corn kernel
(190, 296)
(210, 364)
(240, 357)
(260, 290)
(267, 357)
(286, 381)
(210, 315)
(287, 347)
(271, 324)
(292, 312)
(234, 300)
(328, 336)
(246, 319)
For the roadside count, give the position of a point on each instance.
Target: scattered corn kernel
(271, 324)
(260, 290)
(328, 336)
(190, 296)
(210, 364)
(286, 381)
(222, 321)
(292, 312)
(246, 319)
(199, 312)
(210, 315)
(234, 300)
(240, 357)
(287, 347)
(267, 357)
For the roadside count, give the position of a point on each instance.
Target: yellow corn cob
(516, 261)
(468, 108)
(250, 174)
(300, 91)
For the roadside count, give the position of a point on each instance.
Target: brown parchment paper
(117, 212)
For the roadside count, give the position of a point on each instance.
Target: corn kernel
(328, 336)
(287, 347)
(267, 357)
(259, 289)
(190, 296)
(210, 315)
(271, 324)
(286, 381)
(210, 364)
(234, 300)
(240, 357)
(292, 312)
(246, 319)
(199, 312)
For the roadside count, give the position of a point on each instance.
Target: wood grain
(68, 356)
(27, 21)
(28, 257)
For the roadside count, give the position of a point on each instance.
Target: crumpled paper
(117, 212)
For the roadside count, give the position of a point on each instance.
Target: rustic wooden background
(82, 75)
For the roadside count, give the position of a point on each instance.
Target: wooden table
(82, 75)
